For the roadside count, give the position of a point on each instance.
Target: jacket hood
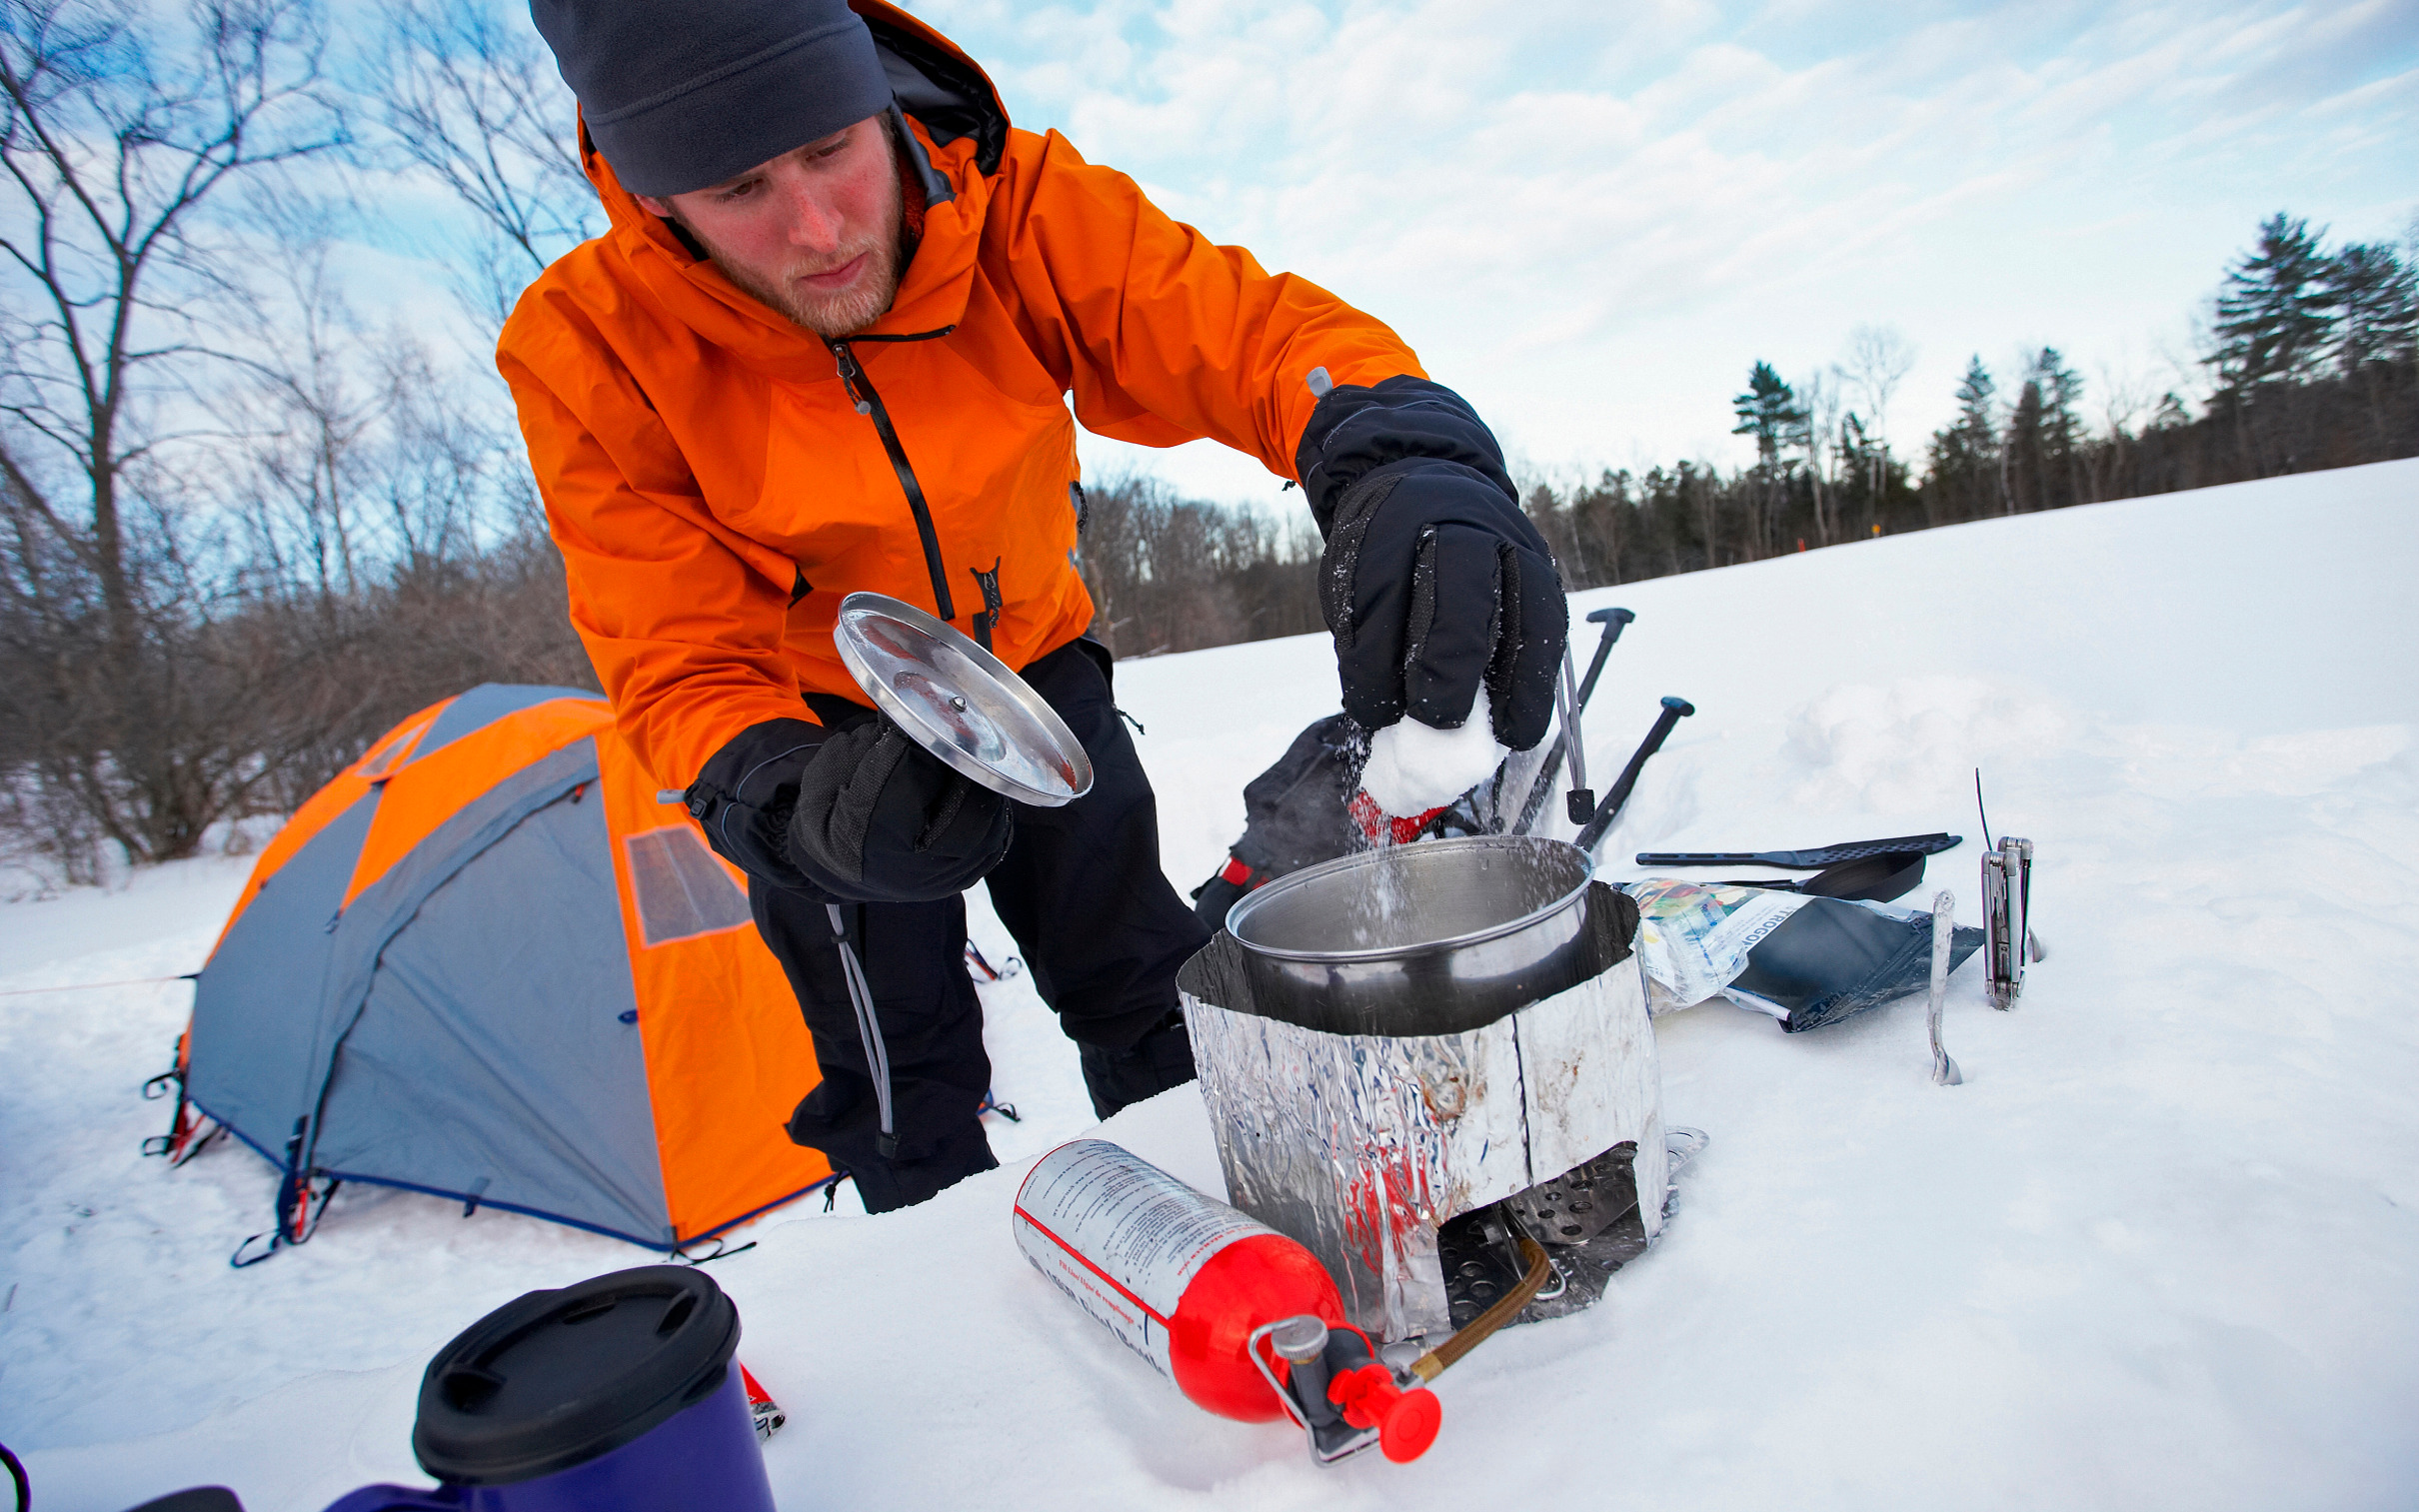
(957, 132)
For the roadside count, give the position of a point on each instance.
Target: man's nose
(814, 221)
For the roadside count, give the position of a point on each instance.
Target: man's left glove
(851, 811)
(1433, 581)
(744, 797)
(879, 819)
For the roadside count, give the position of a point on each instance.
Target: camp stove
(1589, 1220)
(2007, 917)
(1393, 1040)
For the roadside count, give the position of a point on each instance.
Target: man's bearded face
(815, 234)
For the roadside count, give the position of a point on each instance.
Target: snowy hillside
(2160, 1250)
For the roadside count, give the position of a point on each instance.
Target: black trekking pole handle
(1614, 622)
(1675, 711)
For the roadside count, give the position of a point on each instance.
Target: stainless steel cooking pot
(1431, 938)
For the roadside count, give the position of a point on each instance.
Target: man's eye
(737, 191)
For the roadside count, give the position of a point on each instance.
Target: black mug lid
(557, 1378)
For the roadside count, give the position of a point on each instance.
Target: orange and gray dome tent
(485, 962)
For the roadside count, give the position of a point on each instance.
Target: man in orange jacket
(829, 344)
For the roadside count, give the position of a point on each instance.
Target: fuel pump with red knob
(1243, 1320)
(1345, 1398)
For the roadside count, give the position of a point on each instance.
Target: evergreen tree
(1964, 471)
(2061, 430)
(1770, 413)
(2377, 296)
(2023, 458)
(2275, 315)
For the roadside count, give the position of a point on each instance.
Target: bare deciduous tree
(1170, 574)
(393, 550)
(1821, 402)
(118, 135)
(470, 97)
(1878, 360)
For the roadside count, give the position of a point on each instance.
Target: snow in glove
(851, 814)
(1433, 582)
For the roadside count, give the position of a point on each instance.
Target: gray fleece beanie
(681, 97)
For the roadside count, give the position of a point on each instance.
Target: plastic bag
(1806, 961)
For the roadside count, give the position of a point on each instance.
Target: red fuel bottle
(1184, 1281)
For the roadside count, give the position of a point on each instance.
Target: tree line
(2312, 361)
(246, 525)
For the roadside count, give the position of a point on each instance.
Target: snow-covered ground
(2161, 1250)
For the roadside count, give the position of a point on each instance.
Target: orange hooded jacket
(717, 491)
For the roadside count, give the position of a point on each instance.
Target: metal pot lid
(960, 702)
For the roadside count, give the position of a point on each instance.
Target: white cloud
(1592, 219)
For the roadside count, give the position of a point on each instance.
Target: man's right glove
(1433, 581)
(881, 820)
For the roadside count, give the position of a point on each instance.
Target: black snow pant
(1101, 929)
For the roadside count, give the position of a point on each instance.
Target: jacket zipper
(869, 402)
(988, 620)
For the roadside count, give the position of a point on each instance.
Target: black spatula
(1880, 878)
(1806, 861)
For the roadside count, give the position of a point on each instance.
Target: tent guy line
(87, 986)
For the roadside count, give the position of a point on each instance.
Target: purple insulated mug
(619, 1394)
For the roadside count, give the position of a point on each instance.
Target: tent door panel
(258, 1004)
(492, 1045)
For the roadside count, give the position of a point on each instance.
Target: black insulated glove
(878, 820)
(1433, 581)
(744, 797)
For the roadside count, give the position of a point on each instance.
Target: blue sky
(1592, 219)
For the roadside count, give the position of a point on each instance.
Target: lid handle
(469, 1387)
(681, 1309)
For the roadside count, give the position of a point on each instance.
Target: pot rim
(1240, 915)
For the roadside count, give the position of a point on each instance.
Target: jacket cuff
(744, 797)
(1354, 431)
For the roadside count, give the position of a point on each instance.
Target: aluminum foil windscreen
(1359, 1146)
